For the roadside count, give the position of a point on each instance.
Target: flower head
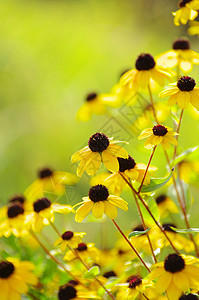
(187, 11)
(181, 55)
(15, 276)
(146, 69)
(176, 275)
(71, 291)
(50, 182)
(85, 251)
(182, 92)
(100, 149)
(69, 238)
(166, 205)
(159, 134)
(100, 202)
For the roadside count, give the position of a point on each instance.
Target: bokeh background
(54, 52)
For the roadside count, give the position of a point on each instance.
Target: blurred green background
(52, 53)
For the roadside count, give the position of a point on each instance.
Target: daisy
(100, 202)
(131, 171)
(176, 275)
(159, 134)
(166, 205)
(135, 285)
(188, 11)
(50, 182)
(43, 213)
(69, 238)
(145, 70)
(96, 104)
(70, 291)
(100, 149)
(182, 92)
(181, 55)
(15, 278)
(84, 251)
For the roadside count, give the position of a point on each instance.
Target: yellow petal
(110, 161)
(117, 151)
(110, 210)
(181, 281)
(83, 211)
(98, 209)
(119, 202)
(163, 282)
(173, 292)
(145, 133)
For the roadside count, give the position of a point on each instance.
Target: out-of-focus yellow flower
(146, 69)
(69, 238)
(135, 285)
(188, 11)
(50, 182)
(100, 148)
(131, 171)
(43, 213)
(159, 134)
(100, 202)
(166, 206)
(189, 171)
(96, 104)
(176, 275)
(194, 28)
(182, 92)
(180, 242)
(70, 291)
(84, 251)
(181, 56)
(15, 278)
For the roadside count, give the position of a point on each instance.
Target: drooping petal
(119, 202)
(118, 151)
(110, 210)
(98, 209)
(110, 161)
(145, 133)
(83, 211)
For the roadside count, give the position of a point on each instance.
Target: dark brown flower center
(126, 163)
(188, 297)
(17, 199)
(41, 204)
(98, 193)
(174, 263)
(181, 44)
(14, 210)
(145, 62)
(45, 172)
(110, 274)
(159, 130)
(67, 235)
(182, 3)
(160, 199)
(82, 247)
(186, 84)
(67, 292)
(98, 142)
(134, 281)
(6, 269)
(167, 227)
(91, 97)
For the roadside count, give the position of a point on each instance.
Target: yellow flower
(189, 171)
(15, 222)
(44, 211)
(146, 69)
(188, 11)
(176, 275)
(15, 276)
(183, 92)
(159, 134)
(181, 55)
(100, 148)
(70, 291)
(166, 206)
(180, 242)
(84, 251)
(135, 286)
(69, 238)
(194, 28)
(100, 202)
(50, 182)
(96, 104)
(131, 171)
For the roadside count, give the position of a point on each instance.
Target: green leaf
(190, 230)
(183, 155)
(156, 183)
(152, 205)
(136, 233)
(92, 272)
